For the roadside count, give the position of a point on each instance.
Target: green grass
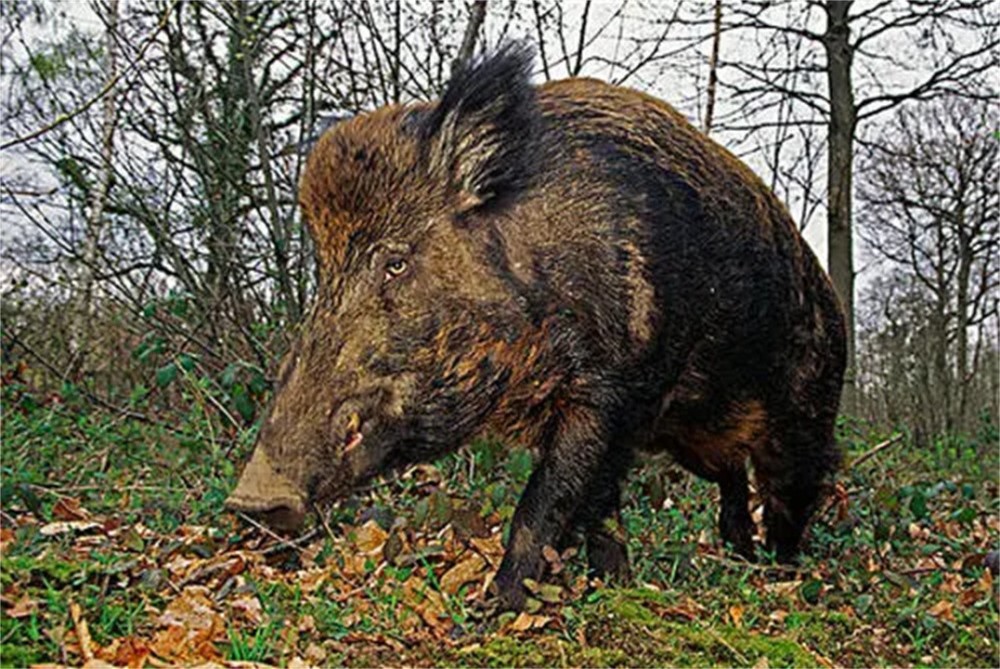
(893, 575)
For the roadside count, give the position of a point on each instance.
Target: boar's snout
(267, 495)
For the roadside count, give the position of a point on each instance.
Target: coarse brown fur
(575, 268)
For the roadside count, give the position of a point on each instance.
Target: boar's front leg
(570, 462)
(599, 516)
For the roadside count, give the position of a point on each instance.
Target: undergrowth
(115, 545)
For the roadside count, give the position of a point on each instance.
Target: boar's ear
(479, 136)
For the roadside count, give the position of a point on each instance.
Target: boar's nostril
(283, 518)
(286, 517)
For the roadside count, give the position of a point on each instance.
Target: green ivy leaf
(166, 374)
(186, 361)
(918, 504)
(229, 375)
(244, 405)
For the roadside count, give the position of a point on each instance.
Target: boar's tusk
(353, 442)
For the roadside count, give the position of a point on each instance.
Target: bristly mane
(481, 132)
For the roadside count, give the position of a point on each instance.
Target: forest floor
(116, 549)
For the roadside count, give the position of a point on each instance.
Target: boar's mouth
(268, 496)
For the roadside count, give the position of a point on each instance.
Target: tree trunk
(98, 195)
(843, 120)
(713, 65)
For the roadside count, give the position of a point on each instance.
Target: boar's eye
(394, 268)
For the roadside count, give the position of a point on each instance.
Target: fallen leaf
(95, 663)
(526, 621)
(66, 526)
(468, 570)
(22, 607)
(6, 538)
(192, 626)
(370, 538)
(736, 615)
(491, 548)
(127, 652)
(248, 608)
(762, 663)
(943, 610)
(783, 588)
(307, 624)
(68, 508)
(82, 632)
(315, 654)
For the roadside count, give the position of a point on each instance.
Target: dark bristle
(482, 131)
(504, 74)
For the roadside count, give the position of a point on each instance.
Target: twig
(284, 542)
(477, 12)
(82, 633)
(878, 448)
(63, 118)
(753, 566)
(324, 519)
(896, 438)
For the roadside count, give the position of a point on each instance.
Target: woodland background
(154, 267)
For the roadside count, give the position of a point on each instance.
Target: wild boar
(572, 267)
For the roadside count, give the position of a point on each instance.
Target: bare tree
(902, 52)
(931, 216)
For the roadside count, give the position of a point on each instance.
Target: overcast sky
(673, 82)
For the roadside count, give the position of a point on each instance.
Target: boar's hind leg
(550, 501)
(791, 469)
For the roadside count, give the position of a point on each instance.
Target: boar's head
(399, 357)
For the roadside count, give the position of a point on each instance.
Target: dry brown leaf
(95, 663)
(762, 663)
(315, 654)
(248, 609)
(22, 607)
(527, 621)
(6, 539)
(521, 623)
(307, 624)
(66, 526)
(468, 570)
(736, 615)
(490, 548)
(82, 632)
(310, 580)
(943, 609)
(68, 508)
(126, 652)
(369, 538)
(688, 610)
(783, 588)
(192, 625)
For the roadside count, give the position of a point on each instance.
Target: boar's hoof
(508, 594)
(607, 558)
